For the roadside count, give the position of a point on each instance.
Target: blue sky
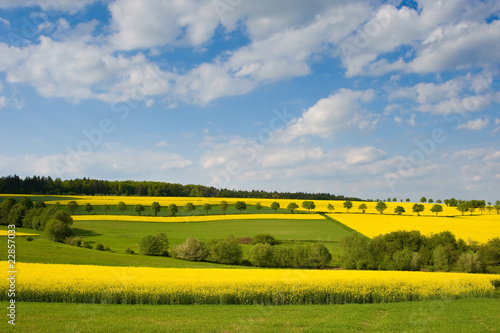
(362, 98)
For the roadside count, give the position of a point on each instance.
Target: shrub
(265, 239)
(283, 256)
(154, 245)
(470, 263)
(318, 255)
(99, 247)
(86, 244)
(227, 251)
(262, 255)
(73, 241)
(192, 249)
(107, 248)
(57, 231)
(29, 238)
(353, 248)
(129, 251)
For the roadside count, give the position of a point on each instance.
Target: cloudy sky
(362, 98)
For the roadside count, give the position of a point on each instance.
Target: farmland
(52, 272)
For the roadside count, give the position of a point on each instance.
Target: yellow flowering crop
(6, 233)
(480, 228)
(197, 218)
(138, 285)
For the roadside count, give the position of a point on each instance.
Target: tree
(275, 206)
(363, 207)
(207, 207)
(408, 200)
(423, 199)
(437, 209)
(88, 207)
(227, 251)
(72, 206)
(139, 209)
(453, 202)
(394, 199)
(155, 207)
(223, 206)
(258, 206)
(308, 205)
(105, 209)
(447, 202)
(121, 206)
(192, 249)
(463, 207)
(489, 208)
(241, 206)
(292, 206)
(172, 208)
(26, 202)
(430, 201)
(189, 207)
(262, 255)
(418, 208)
(381, 206)
(439, 201)
(348, 205)
(56, 230)
(399, 210)
(330, 207)
(151, 245)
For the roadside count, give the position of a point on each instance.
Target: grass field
(473, 315)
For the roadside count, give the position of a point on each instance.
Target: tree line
(87, 186)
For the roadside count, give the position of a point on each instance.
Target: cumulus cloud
(475, 125)
(71, 6)
(119, 162)
(339, 112)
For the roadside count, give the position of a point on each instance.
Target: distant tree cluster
(86, 186)
(53, 221)
(411, 251)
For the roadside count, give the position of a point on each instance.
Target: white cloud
(116, 162)
(71, 6)
(364, 155)
(475, 125)
(4, 22)
(339, 112)
(412, 121)
(161, 144)
(444, 35)
(3, 102)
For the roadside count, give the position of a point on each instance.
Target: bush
(354, 248)
(154, 245)
(99, 247)
(86, 244)
(262, 255)
(265, 239)
(129, 251)
(311, 256)
(29, 238)
(57, 231)
(73, 241)
(107, 248)
(283, 256)
(192, 249)
(470, 263)
(227, 251)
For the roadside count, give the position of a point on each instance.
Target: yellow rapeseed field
(480, 228)
(6, 233)
(197, 218)
(132, 285)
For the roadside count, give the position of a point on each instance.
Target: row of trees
(409, 250)
(86, 186)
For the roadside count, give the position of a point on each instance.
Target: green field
(475, 315)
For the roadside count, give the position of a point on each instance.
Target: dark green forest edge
(86, 186)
